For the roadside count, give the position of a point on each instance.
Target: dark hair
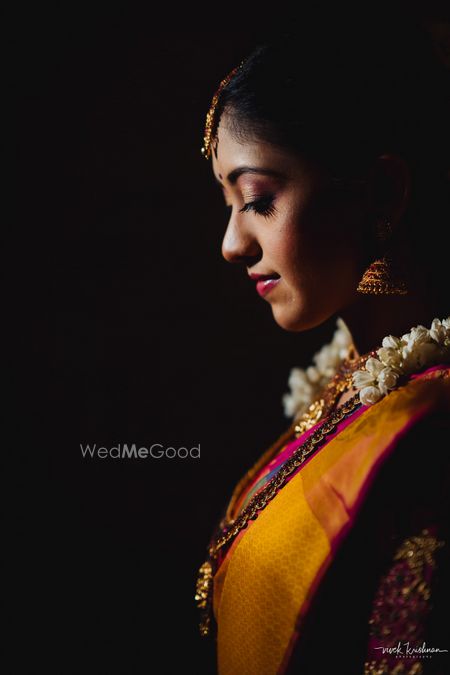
(347, 94)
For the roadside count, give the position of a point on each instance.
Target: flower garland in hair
(306, 385)
(398, 357)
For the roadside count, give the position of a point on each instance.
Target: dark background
(130, 328)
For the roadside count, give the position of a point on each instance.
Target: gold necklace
(339, 383)
(229, 528)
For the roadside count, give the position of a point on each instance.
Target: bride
(331, 149)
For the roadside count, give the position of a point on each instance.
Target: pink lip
(264, 282)
(264, 286)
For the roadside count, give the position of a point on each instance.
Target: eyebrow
(234, 175)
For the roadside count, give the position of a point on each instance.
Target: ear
(389, 187)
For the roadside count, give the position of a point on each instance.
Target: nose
(239, 243)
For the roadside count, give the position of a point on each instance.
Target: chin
(289, 320)
(294, 319)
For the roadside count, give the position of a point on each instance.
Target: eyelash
(263, 206)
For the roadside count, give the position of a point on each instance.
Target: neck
(371, 317)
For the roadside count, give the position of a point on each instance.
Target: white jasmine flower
(342, 338)
(369, 395)
(374, 367)
(361, 378)
(297, 378)
(306, 385)
(387, 379)
(290, 405)
(326, 360)
(418, 335)
(418, 355)
(408, 359)
(391, 342)
(390, 357)
(438, 331)
(313, 374)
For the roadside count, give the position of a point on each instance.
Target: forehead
(228, 153)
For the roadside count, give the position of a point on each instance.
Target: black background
(131, 328)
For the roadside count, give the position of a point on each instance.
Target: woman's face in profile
(289, 223)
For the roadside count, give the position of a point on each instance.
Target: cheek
(285, 244)
(293, 252)
(305, 257)
(285, 236)
(283, 249)
(315, 240)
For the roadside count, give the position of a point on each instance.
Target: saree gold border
(207, 571)
(267, 456)
(270, 490)
(257, 584)
(319, 409)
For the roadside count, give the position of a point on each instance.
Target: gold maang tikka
(206, 149)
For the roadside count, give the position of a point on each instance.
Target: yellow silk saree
(337, 569)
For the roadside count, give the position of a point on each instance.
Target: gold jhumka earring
(382, 276)
(207, 138)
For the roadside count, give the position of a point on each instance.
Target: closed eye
(264, 206)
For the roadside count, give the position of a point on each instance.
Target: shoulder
(417, 475)
(416, 414)
(422, 449)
